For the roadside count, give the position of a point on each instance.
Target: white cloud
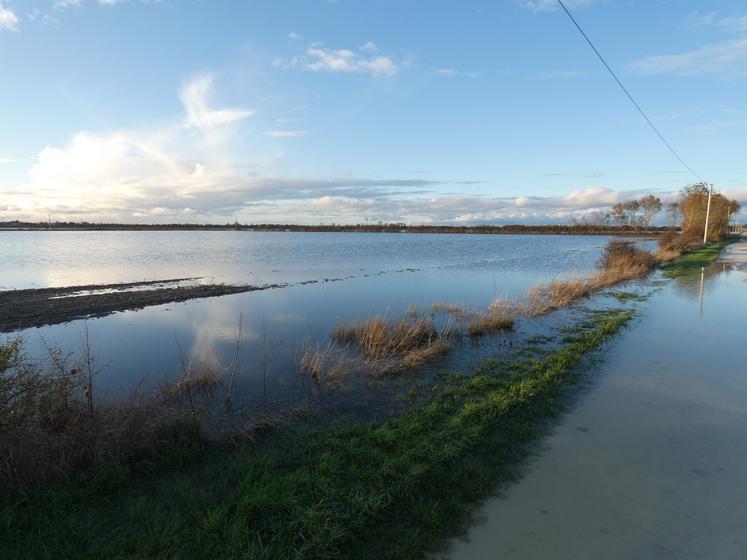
(552, 5)
(5, 160)
(293, 36)
(194, 95)
(344, 60)
(726, 56)
(286, 133)
(321, 59)
(8, 19)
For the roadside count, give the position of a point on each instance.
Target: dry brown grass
(50, 425)
(48, 428)
(388, 346)
(380, 338)
(328, 363)
(544, 298)
(494, 320)
(620, 261)
(449, 309)
(667, 255)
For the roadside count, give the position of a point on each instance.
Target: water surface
(330, 277)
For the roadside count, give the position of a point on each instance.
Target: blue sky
(345, 111)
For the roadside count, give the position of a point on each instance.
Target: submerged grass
(392, 489)
(693, 261)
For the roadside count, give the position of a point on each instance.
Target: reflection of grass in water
(693, 261)
(391, 489)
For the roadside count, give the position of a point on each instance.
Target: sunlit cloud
(8, 19)
(195, 95)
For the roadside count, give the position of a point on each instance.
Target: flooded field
(322, 279)
(650, 464)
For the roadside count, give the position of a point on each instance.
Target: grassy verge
(393, 489)
(693, 261)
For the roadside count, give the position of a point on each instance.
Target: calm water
(650, 464)
(358, 275)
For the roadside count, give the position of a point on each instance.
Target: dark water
(357, 275)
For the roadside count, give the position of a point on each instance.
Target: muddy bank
(22, 309)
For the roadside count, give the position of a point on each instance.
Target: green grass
(693, 261)
(623, 296)
(391, 489)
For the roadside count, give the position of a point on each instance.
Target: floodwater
(651, 462)
(329, 277)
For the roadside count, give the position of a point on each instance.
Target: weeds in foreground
(51, 426)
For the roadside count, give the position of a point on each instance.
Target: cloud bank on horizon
(378, 122)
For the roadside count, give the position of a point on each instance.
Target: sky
(345, 111)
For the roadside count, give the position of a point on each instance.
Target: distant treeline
(559, 229)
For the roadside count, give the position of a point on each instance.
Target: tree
(673, 214)
(694, 205)
(618, 214)
(651, 206)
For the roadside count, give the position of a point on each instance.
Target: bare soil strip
(22, 309)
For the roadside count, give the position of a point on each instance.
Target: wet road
(652, 462)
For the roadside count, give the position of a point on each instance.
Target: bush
(667, 240)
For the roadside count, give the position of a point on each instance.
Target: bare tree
(651, 206)
(673, 214)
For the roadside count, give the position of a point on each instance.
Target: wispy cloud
(319, 58)
(8, 19)
(725, 56)
(286, 133)
(454, 73)
(5, 160)
(563, 74)
(62, 4)
(194, 96)
(697, 20)
(552, 5)
(369, 46)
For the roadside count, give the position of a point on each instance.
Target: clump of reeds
(501, 316)
(559, 293)
(388, 346)
(620, 261)
(379, 337)
(329, 362)
(202, 381)
(449, 309)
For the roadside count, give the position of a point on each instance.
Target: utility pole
(708, 214)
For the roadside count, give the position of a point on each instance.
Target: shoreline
(510, 229)
(37, 307)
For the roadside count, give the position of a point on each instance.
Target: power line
(633, 101)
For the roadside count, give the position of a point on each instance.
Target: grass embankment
(391, 489)
(693, 261)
